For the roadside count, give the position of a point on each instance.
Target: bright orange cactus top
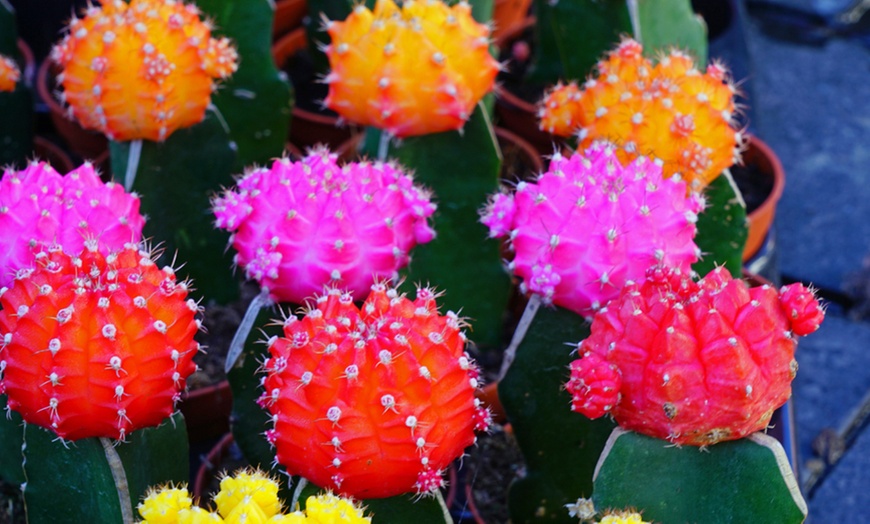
(669, 111)
(9, 74)
(141, 70)
(412, 70)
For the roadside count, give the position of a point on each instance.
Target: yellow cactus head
(9, 74)
(331, 509)
(248, 494)
(162, 506)
(623, 517)
(141, 70)
(669, 111)
(413, 70)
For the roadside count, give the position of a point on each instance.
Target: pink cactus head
(301, 226)
(590, 224)
(39, 207)
(693, 362)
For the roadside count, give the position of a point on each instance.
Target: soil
(309, 91)
(517, 58)
(489, 468)
(11, 504)
(754, 185)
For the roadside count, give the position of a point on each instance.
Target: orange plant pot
(759, 155)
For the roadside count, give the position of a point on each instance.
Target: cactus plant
(694, 363)
(16, 100)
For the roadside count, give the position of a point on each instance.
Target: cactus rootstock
(693, 362)
(9, 74)
(141, 70)
(670, 111)
(301, 226)
(373, 401)
(410, 70)
(590, 223)
(39, 207)
(96, 345)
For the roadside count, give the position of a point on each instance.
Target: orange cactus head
(670, 111)
(9, 74)
(412, 70)
(141, 70)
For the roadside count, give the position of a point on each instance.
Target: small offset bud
(9, 74)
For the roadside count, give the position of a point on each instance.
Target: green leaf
(176, 180)
(404, 508)
(560, 447)
(746, 480)
(671, 23)
(72, 482)
(17, 122)
(722, 227)
(571, 36)
(256, 101)
(462, 170)
(11, 439)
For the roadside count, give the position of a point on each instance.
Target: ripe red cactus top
(94, 345)
(412, 70)
(9, 74)
(670, 111)
(39, 207)
(372, 402)
(693, 362)
(141, 70)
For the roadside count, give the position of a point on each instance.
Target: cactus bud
(9, 74)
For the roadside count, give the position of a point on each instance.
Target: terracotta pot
(47, 150)
(29, 68)
(507, 15)
(84, 143)
(307, 128)
(288, 16)
(207, 411)
(760, 155)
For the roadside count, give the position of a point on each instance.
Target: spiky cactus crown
(411, 70)
(141, 70)
(39, 207)
(374, 401)
(9, 74)
(669, 111)
(94, 345)
(693, 362)
(589, 224)
(300, 226)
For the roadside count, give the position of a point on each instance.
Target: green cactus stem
(746, 480)
(560, 447)
(90, 483)
(11, 439)
(722, 227)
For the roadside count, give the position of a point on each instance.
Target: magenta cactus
(589, 224)
(39, 207)
(301, 226)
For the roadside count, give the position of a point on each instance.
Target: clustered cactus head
(693, 362)
(248, 496)
(9, 74)
(373, 401)
(300, 226)
(410, 70)
(623, 517)
(141, 70)
(589, 224)
(670, 111)
(95, 345)
(39, 207)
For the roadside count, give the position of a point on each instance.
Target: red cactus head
(374, 401)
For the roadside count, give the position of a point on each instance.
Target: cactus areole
(141, 70)
(9, 74)
(589, 224)
(670, 111)
(693, 362)
(411, 70)
(375, 401)
(300, 226)
(94, 345)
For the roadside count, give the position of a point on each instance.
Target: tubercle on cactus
(670, 111)
(141, 70)
(411, 70)
(96, 345)
(388, 386)
(9, 74)
(693, 362)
